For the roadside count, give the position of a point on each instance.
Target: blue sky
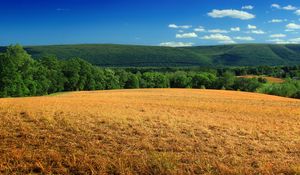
(149, 22)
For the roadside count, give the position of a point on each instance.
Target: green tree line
(20, 76)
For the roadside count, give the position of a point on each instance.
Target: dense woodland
(145, 56)
(20, 76)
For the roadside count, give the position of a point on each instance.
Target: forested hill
(139, 56)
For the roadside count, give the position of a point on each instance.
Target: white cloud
(176, 44)
(290, 41)
(286, 42)
(297, 12)
(277, 6)
(235, 29)
(187, 35)
(276, 40)
(231, 13)
(251, 26)
(275, 21)
(244, 38)
(174, 26)
(289, 30)
(295, 40)
(217, 31)
(227, 42)
(259, 32)
(289, 7)
(280, 41)
(248, 7)
(277, 35)
(199, 29)
(293, 26)
(220, 38)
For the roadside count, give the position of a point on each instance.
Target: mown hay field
(269, 79)
(153, 131)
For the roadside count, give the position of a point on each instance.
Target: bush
(245, 84)
(155, 80)
(180, 79)
(290, 88)
(206, 80)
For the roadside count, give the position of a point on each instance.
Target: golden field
(269, 79)
(154, 131)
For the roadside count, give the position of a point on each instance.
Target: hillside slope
(124, 55)
(150, 131)
(130, 55)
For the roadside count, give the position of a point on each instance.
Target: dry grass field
(154, 131)
(269, 79)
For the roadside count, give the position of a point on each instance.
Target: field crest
(150, 131)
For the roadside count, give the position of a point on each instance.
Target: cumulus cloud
(289, 30)
(235, 29)
(187, 35)
(277, 6)
(293, 26)
(276, 40)
(176, 44)
(251, 26)
(275, 21)
(174, 26)
(227, 42)
(297, 12)
(231, 13)
(258, 32)
(279, 41)
(217, 37)
(295, 40)
(290, 41)
(199, 29)
(286, 42)
(244, 38)
(277, 35)
(220, 38)
(217, 31)
(288, 7)
(247, 7)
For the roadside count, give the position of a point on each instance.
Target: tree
(40, 77)
(86, 79)
(71, 70)
(155, 80)
(11, 83)
(180, 79)
(227, 80)
(54, 74)
(296, 94)
(111, 80)
(16, 71)
(132, 82)
(206, 80)
(289, 88)
(142, 82)
(246, 84)
(99, 79)
(123, 77)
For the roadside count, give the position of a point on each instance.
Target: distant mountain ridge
(156, 56)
